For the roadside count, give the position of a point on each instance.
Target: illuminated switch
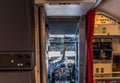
(18, 64)
(97, 70)
(102, 70)
(103, 30)
(21, 64)
(12, 61)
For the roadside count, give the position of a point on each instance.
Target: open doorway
(62, 50)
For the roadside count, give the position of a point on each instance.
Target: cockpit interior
(59, 41)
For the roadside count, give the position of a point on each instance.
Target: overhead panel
(106, 25)
(110, 7)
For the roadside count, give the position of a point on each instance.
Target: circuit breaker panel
(106, 49)
(61, 61)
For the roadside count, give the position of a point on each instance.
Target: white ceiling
(68, 9)
(65, 25)
(111, 7)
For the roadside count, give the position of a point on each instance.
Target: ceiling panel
(111, 7)
(68, 9)
(58, 16)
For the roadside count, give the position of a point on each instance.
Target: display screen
(107, 45)
(96, 54)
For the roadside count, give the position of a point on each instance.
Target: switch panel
(99, 69)
(16, 61)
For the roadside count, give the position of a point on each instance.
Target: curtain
(90, 16)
